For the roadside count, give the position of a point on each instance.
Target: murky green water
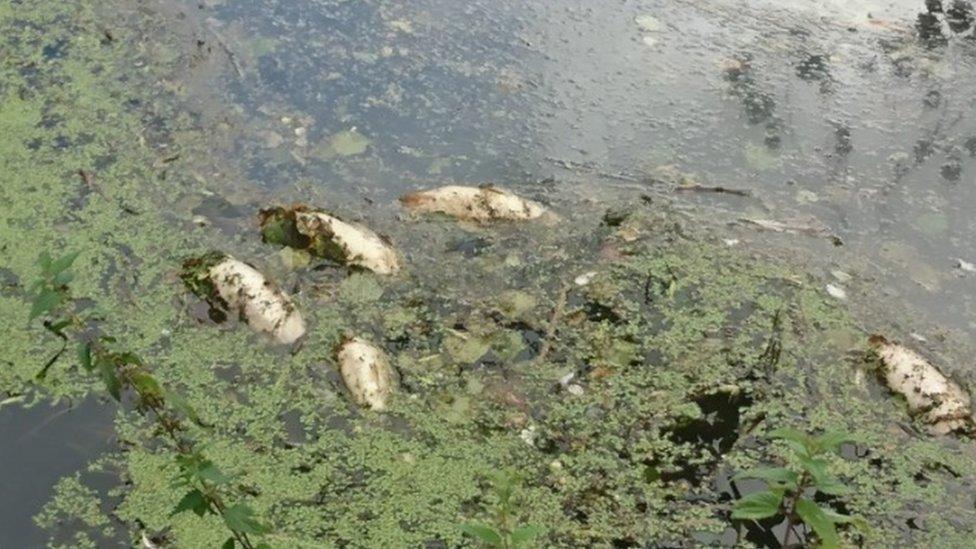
(832, 117)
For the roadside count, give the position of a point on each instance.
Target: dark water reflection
(830, 111)
(40, 445)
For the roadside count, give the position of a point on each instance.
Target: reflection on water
(39, 446)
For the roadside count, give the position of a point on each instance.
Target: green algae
(669, 344)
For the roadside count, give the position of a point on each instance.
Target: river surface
(832, 117)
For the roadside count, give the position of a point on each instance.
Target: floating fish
(327, 236)
(236, 287)
(367, 373)
(481, 204)
(936, 399)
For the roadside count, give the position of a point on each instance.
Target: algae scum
(627, 358)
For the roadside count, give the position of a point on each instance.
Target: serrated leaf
(831, 485)
(831, 440)
(62, 263)
(85, 355)
(240, 518)
(44, 302)
(229, 544)
(44, 261)
(63, 279)
(146, 385)
(814, 517)
(757, 506)
(486, 534)
(770, 474)
(106, 371)
(195, 501)
(210, 473)
(181, 405)
(524, 534)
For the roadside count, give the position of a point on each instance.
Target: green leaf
(181, 405)
(44, 302)
(106, 371)
(831, 440)
(770, 474)
(62, 263)
(523, 534)
(229, 544)
(240, 518)
(63, 279)
(195, 501)
(146, 385)
(85, 355)
(831, 485)
(757, 506)
(210, 473)
(815, 518)
(44, 260)
(486, 534)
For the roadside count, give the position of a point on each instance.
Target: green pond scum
(662, 374)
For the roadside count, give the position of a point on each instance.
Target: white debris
(841, 276)
(965, 266)
(836, 292)
(647, 23)
(585, 278)
(528, 435)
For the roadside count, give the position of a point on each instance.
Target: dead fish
(328, 236)
(481, 204)
(367, 373)
(936, 399)
(235, 286)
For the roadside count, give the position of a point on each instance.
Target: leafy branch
(124, 372)
(503, 533)
(790, 492)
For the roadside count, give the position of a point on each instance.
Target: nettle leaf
(831, 485)
(44, 261)
(62, 263)
(106, 371)
(524, 534)
(795, 439)
(209, 472)
(45, 301)
(63, 279)
(770, 474)
(757, 506)
(831, 440)
(240, 518)
(85, 356)
(195, 501)
(146, 385)
(486, 534)
(181, 405)
(816, 518)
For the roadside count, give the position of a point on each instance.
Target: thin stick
(712, 189)
(557, 313)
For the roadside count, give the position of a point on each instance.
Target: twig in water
(227, 51)
(557, 313)
(712, 189)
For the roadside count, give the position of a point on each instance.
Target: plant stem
(789, 508)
